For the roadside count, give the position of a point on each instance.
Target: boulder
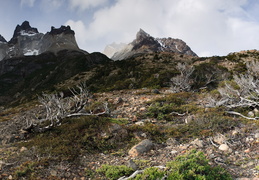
(142, 147)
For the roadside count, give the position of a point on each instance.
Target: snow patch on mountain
(32, 52)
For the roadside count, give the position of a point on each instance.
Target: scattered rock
(142, 147)
(23, 149)
(1, 164)
(189, 119)
(219, 160)
(174, 152)
(197, 143)
(224, 147)
(118, 133)
(114, 127)
(53, 173)
(140, 123)
(132, 165)
(247, 150)
(155, 91)
(220, 139)
(172, 142)
(235, 132)
(257, 135)
(119, 100)
(140, 135)
(67, 174)
(142, 109)
(249, 139)
(250, 114)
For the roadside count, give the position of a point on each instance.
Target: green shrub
(211, 122)
(25, 169)
(114, 172)
(152, 173)
(194, 165)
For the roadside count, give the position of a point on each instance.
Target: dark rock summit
(62, 29)
(24, 28)
(144, 43)
(27, 41)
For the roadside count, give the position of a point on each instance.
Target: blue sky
(209, 27)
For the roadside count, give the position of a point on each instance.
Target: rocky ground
(236, 150)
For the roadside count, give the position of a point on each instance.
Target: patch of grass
(142, 163)
(120, 121)
(207, 124)
(162, 108)
(25, 170)
(155, 132)
(66, 141)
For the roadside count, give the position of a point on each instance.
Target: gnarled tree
(183, 81)
(242, 92)
(58, 107)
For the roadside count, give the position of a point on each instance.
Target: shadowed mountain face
(27, 41)
(24, 76)
(144, 43)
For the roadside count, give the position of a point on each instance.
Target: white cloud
(85, 4)
(213, 27)
(29, 3)
(80, 29)
(51, 5)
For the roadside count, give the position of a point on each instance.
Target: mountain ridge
(145, 43)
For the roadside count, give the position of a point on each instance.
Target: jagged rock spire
(142, 34)
(62, 29)
(25, 26)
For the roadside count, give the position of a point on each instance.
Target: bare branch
(182, 82)
(132, 175)
(239, 114)
(242, 92)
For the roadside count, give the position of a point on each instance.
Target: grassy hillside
(186, 128)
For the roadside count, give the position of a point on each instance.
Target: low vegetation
(192, 165)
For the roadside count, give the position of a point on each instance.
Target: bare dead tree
(58, 107)
(242, 92)
(182, 82)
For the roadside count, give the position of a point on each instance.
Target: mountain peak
(145, 43)
(142, 34)
(62, 29)
(21, 29)
(25, 25)
(27, 41)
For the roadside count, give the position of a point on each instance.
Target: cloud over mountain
(213, 27)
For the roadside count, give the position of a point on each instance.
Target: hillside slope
(127, 103)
